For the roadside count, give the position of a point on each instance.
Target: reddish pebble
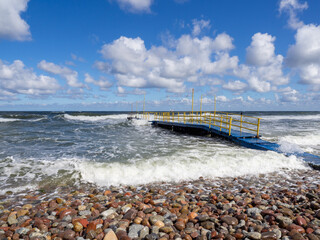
(301, 221)
(309, 230)
(84, 222)
(296, 227)
(66, 213)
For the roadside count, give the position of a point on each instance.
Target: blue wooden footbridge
(237, 128)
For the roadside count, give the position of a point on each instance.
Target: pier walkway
(237, 128)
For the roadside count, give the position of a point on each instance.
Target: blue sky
(106, 54)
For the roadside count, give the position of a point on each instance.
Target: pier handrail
(220, 120)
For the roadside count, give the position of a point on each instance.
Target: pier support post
(258, 127)
(230, 124)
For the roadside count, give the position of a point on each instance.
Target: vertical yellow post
(258, 127)
(184, 118)
(178, 116)
(172, 116)
(220, 121)
(210, 121)
(230, 123)
(241, 123)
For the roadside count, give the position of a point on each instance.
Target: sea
(50, 149)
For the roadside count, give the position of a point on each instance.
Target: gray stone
(108, 213)
(207, 225)
(159, 201)
(84, 213)
(68, 218)
(254, 235)
(152, 236)
(144, 232)
(277, 232)
(253, 212)
(155, 218)
(134, 230)
(316, 222)
(12, 219)
(230, 220)
(70, 226)
(155, 229)
(22, 231)
(317, 232)
(52, 218)
(36, 235)
(269, 235)
(284, 221)
(203, 218)
(241, 224)
(167, 222)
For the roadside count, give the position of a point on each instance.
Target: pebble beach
(282, 205)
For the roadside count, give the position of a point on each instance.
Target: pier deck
(227, 127)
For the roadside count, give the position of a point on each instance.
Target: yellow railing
(220, 120)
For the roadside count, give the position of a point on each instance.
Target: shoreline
(268, 206)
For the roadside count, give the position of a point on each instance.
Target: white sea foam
(4, 120)
(311, 139)
(84, 118)
(291, 117)
(288, 147)
(8, 119)
(187, 166)
(140, 122)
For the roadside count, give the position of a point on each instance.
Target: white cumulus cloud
(292, 7)
(261, 50)
(103, 83)
(135, 5)
(16, 78)
(70, 75)
(304, 54)
(265, 69)
(236, 86)
(134, 65)
(199, 25)
(12, 26)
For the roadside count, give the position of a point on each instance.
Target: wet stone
(284, 221)
(22, 231)
(151, 236)
(230, 220)
(254, 235)
(134, 230)
(156, 218)
(130, 214)
(144, 232)
(12, 219)
(269, 236)
(68, 234)
(108, 212)
(208, 225)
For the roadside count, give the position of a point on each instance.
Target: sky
(107, 55)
